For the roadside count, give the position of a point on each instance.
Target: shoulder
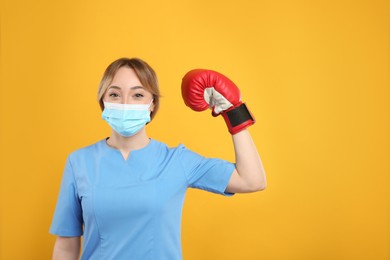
(166, 152)
(88, 150)
(167, 148)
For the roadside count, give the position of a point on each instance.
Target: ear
(152, 106)
(101, 103)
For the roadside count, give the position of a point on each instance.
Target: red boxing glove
(202, 89)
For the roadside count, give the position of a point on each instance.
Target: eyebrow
(133, 88)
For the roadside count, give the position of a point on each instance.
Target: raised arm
(202, 89)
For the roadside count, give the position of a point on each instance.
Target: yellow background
(314, 73)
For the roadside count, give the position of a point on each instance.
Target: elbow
(260, 183)
(247, 182)
(257, 186)
(260, 186)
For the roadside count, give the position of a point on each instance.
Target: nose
(125, 100)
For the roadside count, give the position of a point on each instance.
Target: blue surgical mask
(126, 119)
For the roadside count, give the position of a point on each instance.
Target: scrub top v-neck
(132, 208)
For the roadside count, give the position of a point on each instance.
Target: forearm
(248, 163)
(67, 248)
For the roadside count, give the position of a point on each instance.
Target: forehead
(125, 77)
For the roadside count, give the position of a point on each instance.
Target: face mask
(126, 119)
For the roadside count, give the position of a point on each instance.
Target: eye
(138, 95)
(113, 95)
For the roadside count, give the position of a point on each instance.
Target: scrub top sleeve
(210, 174)
(67, 220)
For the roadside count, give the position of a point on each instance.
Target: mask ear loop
(150, 104)
(151, 111)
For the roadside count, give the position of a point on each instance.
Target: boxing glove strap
(239, 115)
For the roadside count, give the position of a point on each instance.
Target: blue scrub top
(132, 209)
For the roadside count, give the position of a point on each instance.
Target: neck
(128, 144)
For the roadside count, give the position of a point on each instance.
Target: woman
(125, 193)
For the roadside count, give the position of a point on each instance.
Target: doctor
(125, 193)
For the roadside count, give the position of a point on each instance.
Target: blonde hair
(144, 72)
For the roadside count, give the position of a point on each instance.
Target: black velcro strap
(239, 115)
